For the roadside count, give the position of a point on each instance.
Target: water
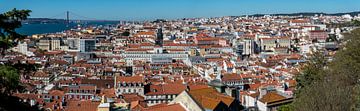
(30, 29)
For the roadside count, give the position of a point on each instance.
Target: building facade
(87, 45)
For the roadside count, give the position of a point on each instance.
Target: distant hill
(57, 21)
(308, 14)
(49, 20)
(43, 21)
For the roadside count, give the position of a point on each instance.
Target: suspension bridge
(69, 16)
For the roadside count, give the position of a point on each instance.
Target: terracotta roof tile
(271, 97)
(210, 98)
(83, 105)
(165, 89)
(130, 79)
(164, 107)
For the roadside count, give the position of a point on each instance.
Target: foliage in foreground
(331, 86)
(10, 73)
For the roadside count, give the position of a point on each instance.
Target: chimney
(187, 87)
(262, 92)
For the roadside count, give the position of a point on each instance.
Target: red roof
(138, 79)
(166, 89)
(165, 107)
(83, 105)
(207, 39)
(132, 97)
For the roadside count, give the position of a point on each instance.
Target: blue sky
(172, 9)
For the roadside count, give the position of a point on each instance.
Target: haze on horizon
(173, 9)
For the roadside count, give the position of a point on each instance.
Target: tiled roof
(100, 83)
(130, 79)
(110, 93)
(83, 105)
(166, 89)
(209, 98)
(56, 93)
(207, 39)
(299, 21)
(235, 77)
(132, 97)
(40, 74)
(271, 97)
(146, 33)
(164, 107)
(80, 87)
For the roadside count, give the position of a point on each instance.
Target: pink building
(319, 35)
(210, 41)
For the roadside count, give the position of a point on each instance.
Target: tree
(346, 68)
(287, 107)
(9, 21)
(332, 86)
(356, 22)
(9, 80)
(126, 33)
(9, 73)
(332, 38)
(312, 72)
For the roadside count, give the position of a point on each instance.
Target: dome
(216, 83)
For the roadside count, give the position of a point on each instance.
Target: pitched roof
(235, 77)
(56, 93)
(110, 93)
(166, 89)
(132, 97)
(83, 105)
(209, 98)
(100, 83)
(146, 33)
(40, 74)
(130, 79)
(165, 107)
(271, 97)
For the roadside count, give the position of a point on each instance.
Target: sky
(172, 9)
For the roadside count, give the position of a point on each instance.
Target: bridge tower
(67, 17)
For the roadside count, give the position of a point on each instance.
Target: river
(30, 29)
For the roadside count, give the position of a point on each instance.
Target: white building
(23, 49)
(148, 54)
(73, 43)
(55, 44)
